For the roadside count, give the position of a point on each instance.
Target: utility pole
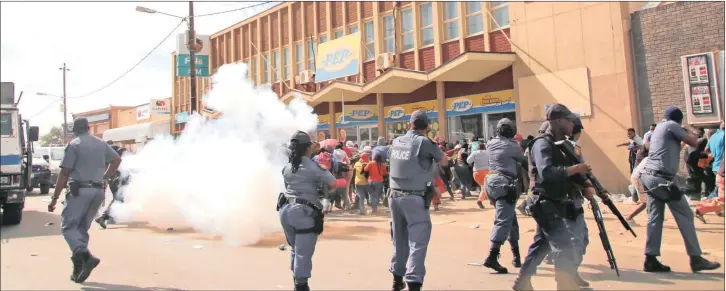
(65, 104)
(192, 40)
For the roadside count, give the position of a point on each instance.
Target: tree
(53, 137)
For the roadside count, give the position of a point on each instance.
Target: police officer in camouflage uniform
(84, 163)
(412, 162)
(300, 209)
(555, 180)
(502, 190)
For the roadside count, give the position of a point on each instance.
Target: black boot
(398, 284)
(522, 285)
(413, 286)
(517, 260)
(493, 263)
(77, 264)
(101, 220)
(699, 263)
(481, 205)
(89, 263)
(652, 265)
(302, 287)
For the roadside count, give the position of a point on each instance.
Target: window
(389, 30)
(324, 38)
(407, 29)
(451, 22)
(6, 124)
(275, 66)
(265, 69)
(500, 11)
(311, 54)
(286, 63)
(427, 24)
(370, 46)
(474, 21)
(353, 29)
(300, 58)
(338, 34)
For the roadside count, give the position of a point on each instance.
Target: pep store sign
(323, 121)
(480, 103)
(356, 115)
(403, 112)
(338, 58)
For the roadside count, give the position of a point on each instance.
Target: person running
(480, 161)
(376, 171)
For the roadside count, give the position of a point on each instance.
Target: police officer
(84, 163)
(412, 158)
(555, 179)
(657, 178)
(502, 190)
(300, 209)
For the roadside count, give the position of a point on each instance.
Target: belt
(398, 193)
(660, 174)
(292, 200)
(96, 185)
(511, 177)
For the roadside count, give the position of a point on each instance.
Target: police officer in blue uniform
(412, 162)
(555, 180)
(300, 209)
(658, 180)
(579, 227)
(84, 164)
(502, 190)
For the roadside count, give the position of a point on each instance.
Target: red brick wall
(502, 80)
(337, 17)
(309, 16)
(322, 16)
(427, 92)
(449, 51)
(367, 9)
(385, 5)
(296, 19)
(408, 61)
(238, 48)
(369, 71)
(275, 31)
(427, 59)
(474, 43)
(499, 43)
(351, 11)
(369, 99)
(276, 89)
(213, 50)
(285, 26)
(228, 47)
(264, 43)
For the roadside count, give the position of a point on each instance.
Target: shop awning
(472, 67)
(307, 96)
(397, 80)
(138, 132)
(337, 91)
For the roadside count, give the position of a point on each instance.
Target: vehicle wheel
(12, 213)
(29, 189)
(44, 188)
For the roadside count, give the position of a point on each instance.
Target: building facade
(103, 119)
(468, 64)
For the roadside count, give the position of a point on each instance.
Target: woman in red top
(376, 171)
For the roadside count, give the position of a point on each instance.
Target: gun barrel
(620, 217)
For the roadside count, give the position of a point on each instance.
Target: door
(493, 119)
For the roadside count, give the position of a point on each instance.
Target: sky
(98, 41)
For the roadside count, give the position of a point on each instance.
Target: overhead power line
(237, 9)
(134, 66)
(50, 105)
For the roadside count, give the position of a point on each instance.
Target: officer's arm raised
(683, 135)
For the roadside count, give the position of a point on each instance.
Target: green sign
(201, 68)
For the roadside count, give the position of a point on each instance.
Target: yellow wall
(127, 117)
(578, 54)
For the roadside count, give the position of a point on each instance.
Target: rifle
(569, 150)
(604, 237)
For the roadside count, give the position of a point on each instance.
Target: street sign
(186, 71)
(200, 60)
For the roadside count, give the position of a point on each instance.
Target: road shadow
(34, 224)
(108, 286)
(331, 232)
(444, 210)
(604, 273)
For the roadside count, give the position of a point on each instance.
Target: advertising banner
(338, 58)
(701, 88)
(480, 103)
(143, 112)
(201, 55)
(160, 107)
(403, 112)
(323, 121)
(357, 115)
(181, 117)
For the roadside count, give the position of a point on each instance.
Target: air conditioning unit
(305, 77)
(384, 61)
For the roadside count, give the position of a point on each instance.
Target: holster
(571, 212)
(666, 192)
(76, 186)
(74, 189)
(429, 196)
(512, 193)
(545, 212)
(281, 200)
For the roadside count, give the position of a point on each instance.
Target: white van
(55, 156)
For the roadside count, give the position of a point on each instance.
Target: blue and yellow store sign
(403, 112)
(338, 58)
(480, 103)
(355, 115)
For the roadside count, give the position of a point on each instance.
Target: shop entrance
(492, 120)
(476, 125)
(362, 135)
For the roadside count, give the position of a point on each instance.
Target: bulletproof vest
(403, 159)
(555, 190)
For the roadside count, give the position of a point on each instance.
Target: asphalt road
(353, 254)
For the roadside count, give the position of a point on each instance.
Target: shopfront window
(493, 119)
(465, 127)
(396, 129)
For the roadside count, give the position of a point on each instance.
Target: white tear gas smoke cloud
(222, 176)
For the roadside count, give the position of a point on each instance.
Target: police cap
(301, 137)
(557, 111)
